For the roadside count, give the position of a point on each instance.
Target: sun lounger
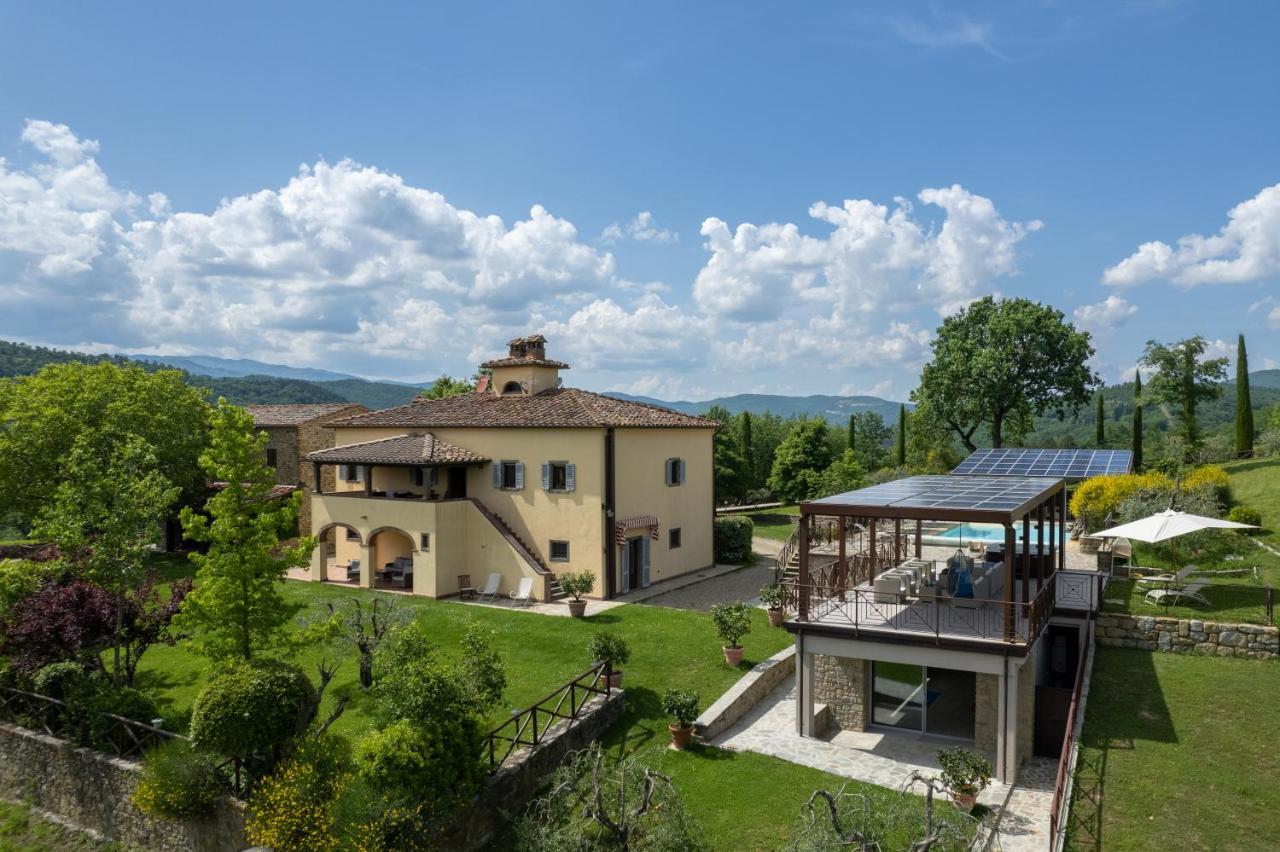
(523, 595)
(491, 586)
(1168, 597)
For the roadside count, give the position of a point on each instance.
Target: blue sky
(688, 199)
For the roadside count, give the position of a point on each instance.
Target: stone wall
(986, 711)
(1187, 636)
(749, 691)
(93, 791)
(844, 685)
(1026, 710)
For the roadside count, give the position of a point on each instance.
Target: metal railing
(1061, 785)
(530, 726)
(106, 732)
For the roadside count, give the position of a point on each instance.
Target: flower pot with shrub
(732, 621)
(771, 597)
(577, 585)
(965, 773)
(609, 648)
(682, 706)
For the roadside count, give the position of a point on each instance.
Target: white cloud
(874, 259)
(943, 29)
(1105, 315)
(1247, 248)
(1271, 307)
(654, 335)
(880, 389)
(1270, 364)
(641, 228)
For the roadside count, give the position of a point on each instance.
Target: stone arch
(512, 388)
(336, 524)
(413, 543)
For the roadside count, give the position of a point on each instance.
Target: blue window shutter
(626, 569)
(679, 471)
(644, 567)
(546, 476)
(669, 470)
(570, 477)
(497, 474)
(519, 476)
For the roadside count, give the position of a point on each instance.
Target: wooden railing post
(802, 580)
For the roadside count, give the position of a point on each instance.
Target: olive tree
(1182, 377)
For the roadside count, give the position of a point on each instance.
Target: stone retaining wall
(93, 791)
(844, 684)
(749, 691)
(1187, 636)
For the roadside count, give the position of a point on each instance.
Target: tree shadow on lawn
(1126, 702)
(772, 519)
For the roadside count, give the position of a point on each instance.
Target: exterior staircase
(552, 589)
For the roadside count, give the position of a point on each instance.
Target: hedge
(733, 538)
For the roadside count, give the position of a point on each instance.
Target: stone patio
(1020, 814)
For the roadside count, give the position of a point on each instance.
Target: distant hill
(219, 368)
(1264, 379)
(18, 359)
(835, 409)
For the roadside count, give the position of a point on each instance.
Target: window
(508, 476)
(415, 476)
(511, 388)
(353, 473)
(559, 551)
(673, 538)
(271, 457)
(352, 535)
(426, 541)
(558, 476)
(675, 471)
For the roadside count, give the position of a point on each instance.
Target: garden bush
(1099, 496)
(608, 646)
(21, 577)
(681, 705)
(251, 709)
(1243, 514)
(178, 782)
(291, 810)
(732, 538)
(1212, 477)
(732, 622)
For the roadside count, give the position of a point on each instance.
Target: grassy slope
(1188, 762)
(23, 831)
(745, 800)
(1256, 482)
(776, 524)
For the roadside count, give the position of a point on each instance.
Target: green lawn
(23, 831)
(1233, 603)
(1256, 483)
(745, 800)
(1186, 751)
(776, 524)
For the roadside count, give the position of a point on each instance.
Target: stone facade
(986, 711)
(1188, 636)
(844, 685)
(292, 443)
(1026, 711)
(93, 791)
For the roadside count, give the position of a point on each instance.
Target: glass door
(898, 695)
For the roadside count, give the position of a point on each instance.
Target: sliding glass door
(928, 700)
(898, 696)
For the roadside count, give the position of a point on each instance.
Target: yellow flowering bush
(1210, 477)
(1099, 496)
(290, 810)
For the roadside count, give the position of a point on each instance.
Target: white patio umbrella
(1168, 525)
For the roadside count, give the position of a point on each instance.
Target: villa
(944, 606)
(523, 477)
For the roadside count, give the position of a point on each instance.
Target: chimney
(482, 384)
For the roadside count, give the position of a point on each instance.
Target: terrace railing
(527, 728)
(107, 732)
(1062, 784)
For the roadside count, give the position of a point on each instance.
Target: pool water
(991, 532)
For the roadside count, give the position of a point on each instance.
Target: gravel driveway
(743, 584)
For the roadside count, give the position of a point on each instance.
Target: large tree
(1000, 361)
(446, 386)
(1099, 422)
(1244, 403)
(43, 416)
(800, 461)
(746, 441)
(873, 440)
(236, 608)
(731, 476)
(1138, 402)
(1183, 378)
(900, 449)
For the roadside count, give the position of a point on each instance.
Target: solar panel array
(1061, 464)
(981, 493)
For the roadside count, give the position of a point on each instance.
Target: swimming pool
(989, 533)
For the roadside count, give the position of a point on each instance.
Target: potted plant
(577, 585)
(965, 773)
(682, 706)
(771, 597)
(732, 621)
(609, 648)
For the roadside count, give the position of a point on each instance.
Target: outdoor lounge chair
(523, 595)
(1165, 579)
(1167, 597)
(402, 579)
(491, 586)
(353, 571)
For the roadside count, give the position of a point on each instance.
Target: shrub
(1099, 496)
(251, 709)
(1212, 477)
(21, 577)
(60, 680)
(1243, 514)
(290, 811)
(416, 682)
(681, 705)
(732, 621)
(578, 585)
(732, 538)
(964, 771)
(609, 647)
(178, 782)
(771, 596)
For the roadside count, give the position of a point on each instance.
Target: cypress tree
(1137, 421)
(853, 433)
(1244, 404)
(902, 435)
(1101, 437)
(748, 451)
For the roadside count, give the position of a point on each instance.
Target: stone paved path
(741, 585)
(1021, 813)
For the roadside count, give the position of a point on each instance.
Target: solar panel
(976, 493)
(1062, 464)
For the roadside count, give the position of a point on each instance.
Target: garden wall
(93, 791)
(749, 691)
(1186, 636)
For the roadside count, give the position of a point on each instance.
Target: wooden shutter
(679, 471)
(570, 477)
(644, 566)
(546, 476)
(497, 475)
(626, 569)
(670, 470)
(519, 476)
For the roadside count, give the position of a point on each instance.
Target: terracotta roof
(402, 449)
(296, 415)
(524, 362)
(559, 408)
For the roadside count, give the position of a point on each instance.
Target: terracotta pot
(577, 608)
(733, 656)
(776, 616)
(966, 800)
(615, 679)
(681, 735)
